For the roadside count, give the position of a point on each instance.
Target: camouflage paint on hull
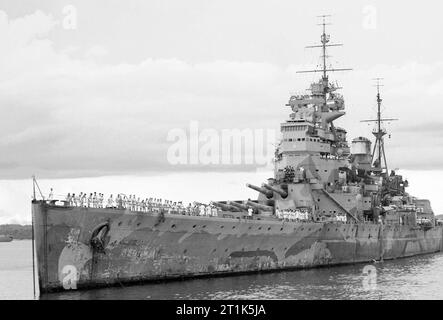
(140, 247)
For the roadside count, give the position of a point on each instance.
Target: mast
(324, 44)
(379, 133)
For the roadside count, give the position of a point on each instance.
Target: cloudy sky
(89, 90)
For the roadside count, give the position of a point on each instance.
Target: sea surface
(410, 278)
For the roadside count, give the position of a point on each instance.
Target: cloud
(66, 113)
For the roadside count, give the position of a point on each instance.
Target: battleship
(348, 208)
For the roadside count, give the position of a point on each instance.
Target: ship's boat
(6, 238)
(328, 203)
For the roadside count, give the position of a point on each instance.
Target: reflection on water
(412, 278)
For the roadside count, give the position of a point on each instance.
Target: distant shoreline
(17, 231)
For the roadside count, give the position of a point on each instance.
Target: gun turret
(260, 206)
(269, 194)
(281, 192)
(224, 206)
(238, 205)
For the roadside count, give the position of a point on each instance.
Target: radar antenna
(379, 133)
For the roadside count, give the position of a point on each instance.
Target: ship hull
(144, 247)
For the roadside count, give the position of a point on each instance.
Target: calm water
(412, 278)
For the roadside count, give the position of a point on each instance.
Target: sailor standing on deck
(94, 200)
(202, 209)
(100, 200)
(130, 202)
(214, 211)
(111, 203)
(89, 205)
(139, 203)
(74, 200)
(68, 200)
(81, 199)
(208, 211)
(250, 211)
(51, 195)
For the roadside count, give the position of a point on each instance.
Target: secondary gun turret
(268, 193)
(281, 192)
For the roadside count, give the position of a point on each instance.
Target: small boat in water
(5, 238)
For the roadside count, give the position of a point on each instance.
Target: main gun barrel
(225, 206)
(260, 206)
(266, 192)
(238, 205)
(281, 192)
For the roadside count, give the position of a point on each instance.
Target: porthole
(226, 250)
(269, 228)
(138, 224)
(233, 227)
(221, 227)
(281, 229)
(173, 226)
(184, 251)
(259, 228)
(194, 225)
(120, 223)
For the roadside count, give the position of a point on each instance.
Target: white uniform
(202, 210)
